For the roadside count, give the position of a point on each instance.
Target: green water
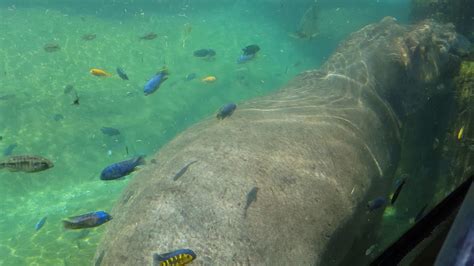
(76, 145)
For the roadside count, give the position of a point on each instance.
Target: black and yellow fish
(179, 257)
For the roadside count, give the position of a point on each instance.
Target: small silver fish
(182, 171)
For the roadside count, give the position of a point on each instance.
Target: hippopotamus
(285, 180)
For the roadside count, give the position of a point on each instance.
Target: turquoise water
(35, 81)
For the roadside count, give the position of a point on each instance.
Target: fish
(466, 248)
(370, 250)
(204, 53)
(376, 203)
(76, 99)
(190, 76)
(182, 171)
(99, 72)
(88, 37)
(40, 223)
(58, 117)
(209, 79)
(9, 150)
(154, 83)
(121, 169)
(251, 49)
(149, 36)
(7, 97)
(88, 220)
(26, 163)
(420, 213)
(122, 73)
(226, 110)
(245, 58)
(460, 133)
(251, 197)
(176, 258)
(98, 262)
(51, 47)
(81, 234)
(110, 131)
(397, 190)
(69, 88)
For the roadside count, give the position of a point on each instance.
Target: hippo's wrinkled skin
(318, 149)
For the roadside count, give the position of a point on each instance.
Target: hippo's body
(317, 150)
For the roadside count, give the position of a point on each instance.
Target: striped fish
(88, 220)
(26, 163)
(179, 257)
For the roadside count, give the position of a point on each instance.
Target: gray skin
(318, 150)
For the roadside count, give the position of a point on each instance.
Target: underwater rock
(331, 130)
(458, 12)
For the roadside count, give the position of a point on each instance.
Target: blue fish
(226, 110)
(376, 203)
(122, 73)
(120, 169)
(91, 219)
(178, 257)
(9, 150)
(245, 58)
(40, 223)
(154, 83)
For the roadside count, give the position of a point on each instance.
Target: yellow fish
(209, 79)
(99, 72)
(461, 131)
